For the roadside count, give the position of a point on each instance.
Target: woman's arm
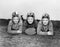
(50, 32)
(39, 28)
(20, 27)
(9, 27)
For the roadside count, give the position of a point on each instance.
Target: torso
(15, 27)
(45, 28)
(31, 27)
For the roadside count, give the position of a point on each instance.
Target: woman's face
(15, 19)
(30, 20)
(45, 21)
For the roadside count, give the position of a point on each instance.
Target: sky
(22, 7)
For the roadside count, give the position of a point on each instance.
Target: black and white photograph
(29, 23)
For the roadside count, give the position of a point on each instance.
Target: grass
(21, 40)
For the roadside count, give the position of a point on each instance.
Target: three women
(30, 26)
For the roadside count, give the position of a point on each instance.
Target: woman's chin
(30, 23)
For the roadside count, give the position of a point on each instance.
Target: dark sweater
(33, 26)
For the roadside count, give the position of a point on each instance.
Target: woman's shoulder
(20, 22)
(50, 23)
(25, 22)
(10, 22)
(40, 22)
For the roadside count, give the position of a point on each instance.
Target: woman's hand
(50, 33)
(19, 31)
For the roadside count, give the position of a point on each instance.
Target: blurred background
(39, 7)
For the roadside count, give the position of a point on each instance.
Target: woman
(45, 26)
(30, 25)
(15, 24)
